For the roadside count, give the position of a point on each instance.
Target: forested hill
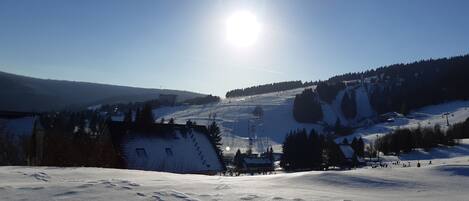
(21, 93)
(408, 70)
(430, 70)
(400, 88)
(267, 88)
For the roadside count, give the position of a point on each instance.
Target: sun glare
(242, 29)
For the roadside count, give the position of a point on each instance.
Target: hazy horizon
(183, 45)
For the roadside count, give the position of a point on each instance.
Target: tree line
(268, 88)
(76, 139)
(405, 140)
(202, 100)
(305, 151)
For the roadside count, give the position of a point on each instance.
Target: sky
(183, 44)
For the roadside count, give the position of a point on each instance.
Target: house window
(141, 153)
(169, 152)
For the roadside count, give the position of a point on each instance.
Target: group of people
(397, 163)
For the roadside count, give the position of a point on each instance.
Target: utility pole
(250, 138)
(377, 151)
(447, 120)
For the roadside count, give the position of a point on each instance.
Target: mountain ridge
(24, 93)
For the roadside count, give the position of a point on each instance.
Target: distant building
(349, 158)
(167, 147)
(254, 164)
(390, 116)
(168, 99)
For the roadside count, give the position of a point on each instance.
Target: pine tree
(237, 160)
(337, 126)
(147, 116)
(138, 118)
(171, 121)
(345, 141)
(215, 135)
(128, 117)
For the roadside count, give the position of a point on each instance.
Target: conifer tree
(128, 117)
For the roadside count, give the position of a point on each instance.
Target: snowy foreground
(445, 179)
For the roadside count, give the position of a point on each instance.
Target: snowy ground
(446, 179)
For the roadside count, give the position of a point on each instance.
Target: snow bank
(448, 181)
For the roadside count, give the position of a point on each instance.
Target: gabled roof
(166, 147)
(347, 151)
(257, 162)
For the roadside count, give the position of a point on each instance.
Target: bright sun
(242, 29)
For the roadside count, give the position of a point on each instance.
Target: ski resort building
(256, 164)
(349, 157)
(166, 147)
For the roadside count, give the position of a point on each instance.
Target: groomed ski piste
(447, 178)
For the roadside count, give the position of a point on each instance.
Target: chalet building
(349, 158)
(166, 147)
(254, 164)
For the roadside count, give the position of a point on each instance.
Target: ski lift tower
(253, 123)
(251, 135)
(447, 120)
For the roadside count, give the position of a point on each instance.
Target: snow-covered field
(446, 179)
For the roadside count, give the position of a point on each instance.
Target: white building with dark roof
(167, 148)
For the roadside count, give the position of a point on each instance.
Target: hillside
(21, 93)
(353, 100)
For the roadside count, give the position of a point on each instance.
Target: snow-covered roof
(257, 160)
(179, 151)
(347, 150)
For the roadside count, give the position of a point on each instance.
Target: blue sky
(182, 44)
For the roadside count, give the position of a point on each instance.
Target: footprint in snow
(68, 193)
(278, 198)
(222, 187)
(41, 176)
(31, 188)
(249, 197)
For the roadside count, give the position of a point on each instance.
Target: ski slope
(429, 116)
(235, 115)
(446, 179)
